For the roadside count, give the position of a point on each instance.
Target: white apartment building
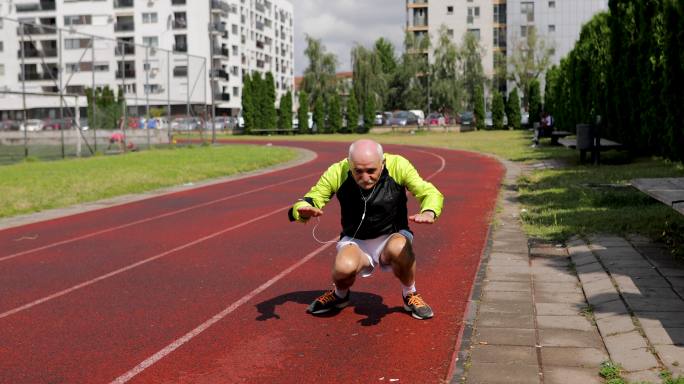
(160, 52)
(500, 24)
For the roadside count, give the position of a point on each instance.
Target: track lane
(167, 301)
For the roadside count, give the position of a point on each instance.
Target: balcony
(37, 30)
(123, 3)
(35, 76)
(218, 26)
(179, 24)
(127, 50)
(221, 6)
(417, 4)
(127, 74)
(220, 73)
(259, 26)
(35, 7)
(222, 96)
(180, 71)
(32, 52)
(220, 51)
(180, 47)
(124, 26)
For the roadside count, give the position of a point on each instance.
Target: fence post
(61, 90)
(23, 90)
(92, 124)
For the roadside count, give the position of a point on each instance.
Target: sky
(341, 24)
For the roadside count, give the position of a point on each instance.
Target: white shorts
(372, 248)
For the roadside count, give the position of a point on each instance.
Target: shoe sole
(337, 307)
(414, 315)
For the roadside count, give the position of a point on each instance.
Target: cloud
(342, 24)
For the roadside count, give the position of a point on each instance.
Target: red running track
(210, 285)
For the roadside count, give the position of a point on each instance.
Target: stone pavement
(552, 313)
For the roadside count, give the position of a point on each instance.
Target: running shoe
(327, 302)
(415, 304)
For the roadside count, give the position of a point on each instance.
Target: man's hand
(308, 212)
(427, 217)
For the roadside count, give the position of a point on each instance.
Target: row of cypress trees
(634, 79)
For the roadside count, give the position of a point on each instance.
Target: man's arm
(430, 198)
(319, 195)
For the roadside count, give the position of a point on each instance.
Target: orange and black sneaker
(415, 304)
(328, 302)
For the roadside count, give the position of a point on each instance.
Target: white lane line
(135, 265)
(216, 318)
(441, 168)
(167, 214)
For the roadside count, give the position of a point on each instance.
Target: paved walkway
(546, 313)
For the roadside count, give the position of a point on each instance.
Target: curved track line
(219, 316)
(122, 226)
(216, 318)
(135, 265)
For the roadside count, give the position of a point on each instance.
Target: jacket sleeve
(430, 198)
(320, 194)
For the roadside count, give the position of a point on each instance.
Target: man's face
(366, 172)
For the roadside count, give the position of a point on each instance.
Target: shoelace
(415, 299)
(328, 296)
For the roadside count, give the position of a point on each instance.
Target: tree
(473, 74)
(384, 50)
(513, 109)
(247, 102)
(319, 77)
(479, 108)
(285, 111)
(498, 111)
(368, 114)
(303, 113)
(530, 57)
(352, 112)
(319, 115)
(268, 102)
(445, 90)
(108, 109)
(334, 114)
(408, 88)
(369, 81)
(535, 104)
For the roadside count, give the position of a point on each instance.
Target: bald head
(365, 150)
(366, 162)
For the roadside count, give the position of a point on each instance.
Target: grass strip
(35, 186)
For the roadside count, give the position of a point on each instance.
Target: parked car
(221, 123)
(378, 120)
(420, 115)
(186, 124)
(435, 119)
(404, 118)
(386, 117)
(466, 118)
(32, 125)
(524, 118)
(56, 124)
(489, 121)
(9, 125)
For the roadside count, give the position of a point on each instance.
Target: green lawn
(34, 186)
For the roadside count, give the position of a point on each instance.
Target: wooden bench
(669, 191)
(557, 135)
(604, 145)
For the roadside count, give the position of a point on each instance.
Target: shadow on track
(365, 304)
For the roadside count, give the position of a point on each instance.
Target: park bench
(588, 140)
(669, 191)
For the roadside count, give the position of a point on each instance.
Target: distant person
(116, 138)
(371, 188)
(151, 123)
(542, 129)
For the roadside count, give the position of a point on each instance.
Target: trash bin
(585, 136)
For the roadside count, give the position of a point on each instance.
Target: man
(371, 188)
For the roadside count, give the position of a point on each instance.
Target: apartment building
(501, 24)
(159, 52)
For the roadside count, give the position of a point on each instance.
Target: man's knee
(398, 248)
(347, 262)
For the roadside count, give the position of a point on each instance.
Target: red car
(435, 119)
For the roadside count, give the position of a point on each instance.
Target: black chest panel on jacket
(386, 211)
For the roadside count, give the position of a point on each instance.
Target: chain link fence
(66, 93)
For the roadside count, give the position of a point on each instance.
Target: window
(500, 13)
(177, 2)
(450, 10)
(473, 12)
(2, 69)
(78, 20)
(475, 32)
(527, 9)
(236, 91)
(152, 41)
(2, 46)
(552, 4)
(450, 33)
(552, 28)
(76, 43)
(101, 67)
(71, 67)
(149, 17)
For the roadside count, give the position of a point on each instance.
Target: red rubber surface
(100, 330)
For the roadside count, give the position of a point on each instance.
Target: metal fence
(143, 93)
